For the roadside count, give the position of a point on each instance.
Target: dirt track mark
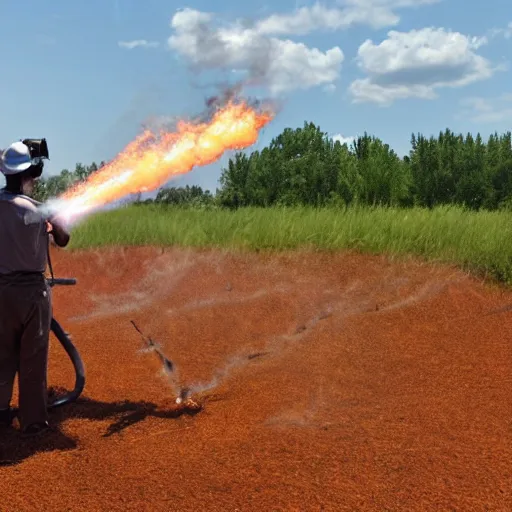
(232, 299)
(429, 290)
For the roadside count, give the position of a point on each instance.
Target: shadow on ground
(14, 449)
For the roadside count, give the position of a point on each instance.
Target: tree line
(304, 166)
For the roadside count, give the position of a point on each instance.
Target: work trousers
(25, 320)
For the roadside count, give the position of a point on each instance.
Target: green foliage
(305, 167)
(465, 171)
(185, 196)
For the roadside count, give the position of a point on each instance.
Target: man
(25, 298)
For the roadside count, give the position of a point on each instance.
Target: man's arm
(59, 232)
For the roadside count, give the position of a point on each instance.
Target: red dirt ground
(340, 382)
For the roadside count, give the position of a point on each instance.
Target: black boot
(36, 429)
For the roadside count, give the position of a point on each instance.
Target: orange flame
(151, 160)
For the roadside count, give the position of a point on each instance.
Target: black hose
(78, 365)
(65, 341)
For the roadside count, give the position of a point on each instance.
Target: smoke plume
(263, 61)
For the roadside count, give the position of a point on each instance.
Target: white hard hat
(15, 159)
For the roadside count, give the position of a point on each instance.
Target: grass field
(480, 242)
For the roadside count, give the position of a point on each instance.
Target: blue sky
(87, 74)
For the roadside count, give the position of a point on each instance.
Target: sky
(90, 74)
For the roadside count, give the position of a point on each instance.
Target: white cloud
(139, 43)
(416, 63)
(260, 50)
(343, 140)
(375, 13)
(505, 32)
(488, 110)
(280, 64)
(317, 17)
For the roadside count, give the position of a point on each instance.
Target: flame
(151, 159)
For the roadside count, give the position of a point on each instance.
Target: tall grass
(477, 241)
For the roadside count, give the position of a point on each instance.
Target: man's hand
(57, 229)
